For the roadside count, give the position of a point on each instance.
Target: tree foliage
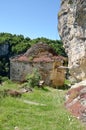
(19, 44)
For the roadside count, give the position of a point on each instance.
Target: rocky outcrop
(4, 59)
(76, 102)
(72, 30)
(4, 49)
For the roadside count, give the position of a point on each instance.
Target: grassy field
(42, 109)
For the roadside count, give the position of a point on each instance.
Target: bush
(3, 79)
(67, 84)
(33, 79)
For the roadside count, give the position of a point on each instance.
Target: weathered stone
(72, 30)
(76, 102)
(4, 49)
(25, 90)
(57, 74)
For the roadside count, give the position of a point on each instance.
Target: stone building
(44, 59)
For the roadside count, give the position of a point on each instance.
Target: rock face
(4, 59)
(72, 30)
(4, 49)
(76, 102)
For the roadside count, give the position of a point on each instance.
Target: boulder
(76, 102)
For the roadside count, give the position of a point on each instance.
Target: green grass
(52, 116)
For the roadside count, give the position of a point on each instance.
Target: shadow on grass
(65, 87)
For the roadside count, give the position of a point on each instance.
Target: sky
(31, 18)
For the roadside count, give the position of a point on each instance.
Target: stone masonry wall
(19, 70)
(49, 71)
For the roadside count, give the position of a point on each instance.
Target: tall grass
(52, 115)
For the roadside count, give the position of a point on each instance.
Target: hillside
(40, 109)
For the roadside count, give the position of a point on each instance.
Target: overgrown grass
(52, 115)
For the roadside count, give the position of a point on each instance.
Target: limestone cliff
(72, 30)
(4, 59)
(4, 49)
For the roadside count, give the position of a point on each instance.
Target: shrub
(3, 79)
(33, 79)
